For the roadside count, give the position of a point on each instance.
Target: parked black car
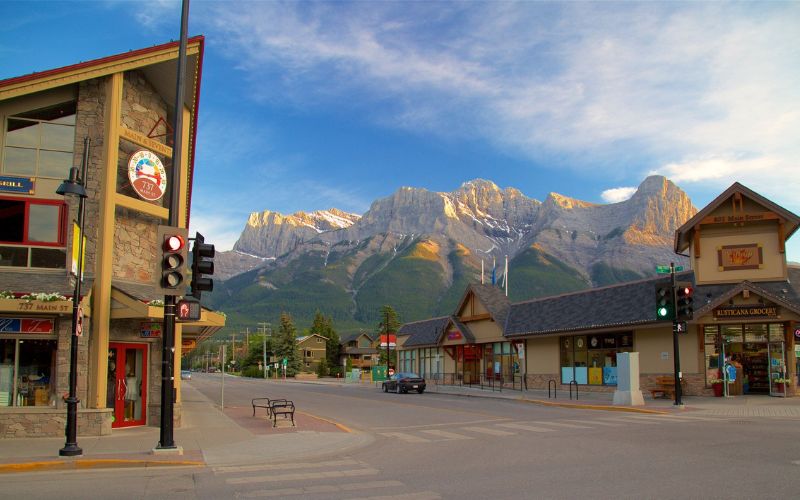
(404, 382)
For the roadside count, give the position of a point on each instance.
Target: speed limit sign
(79, 323)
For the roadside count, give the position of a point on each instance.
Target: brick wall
(48, 422)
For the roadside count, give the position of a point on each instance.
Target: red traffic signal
(685, 302)
(171, 269)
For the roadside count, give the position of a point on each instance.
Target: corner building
(123, 104)
(746, 310)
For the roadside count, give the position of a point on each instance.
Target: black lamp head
(72, 186)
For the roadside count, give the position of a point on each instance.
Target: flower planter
(717, 390)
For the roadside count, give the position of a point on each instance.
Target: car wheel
(385, 389)
(398, 389)
(421, 391)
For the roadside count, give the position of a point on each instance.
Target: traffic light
(685, 306)
(665, 307)
(202, 266)
(171, 270)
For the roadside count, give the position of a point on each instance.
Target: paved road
(436, 446)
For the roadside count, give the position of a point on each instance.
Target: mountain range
(418, 249)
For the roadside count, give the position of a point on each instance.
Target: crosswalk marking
(446, 434)
(526, 427)
(299, 476)
(593, 422)
(628, 420)
(489, 431)
(422, 495)
(560, 424)
(408, 438)
(322, 488)
(264, 467)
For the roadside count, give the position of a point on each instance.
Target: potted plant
(779, 384)
(716, 385)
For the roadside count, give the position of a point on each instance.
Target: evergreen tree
(286, 345)
(323, 325)
(389, 324)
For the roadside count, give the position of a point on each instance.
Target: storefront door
(777, 369)
(127, 387)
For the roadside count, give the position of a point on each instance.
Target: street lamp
(74, 186)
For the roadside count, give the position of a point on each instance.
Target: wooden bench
(264, 403)
(665, 387)
(281, 407)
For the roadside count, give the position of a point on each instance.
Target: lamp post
(74, 186)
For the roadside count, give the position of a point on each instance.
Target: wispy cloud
(675, 86)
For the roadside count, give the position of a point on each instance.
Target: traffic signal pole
(166, 440)
(675, 346)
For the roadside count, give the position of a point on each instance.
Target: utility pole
(233, 347)
(246, 333)
(263, 329)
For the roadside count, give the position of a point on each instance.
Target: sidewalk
(736, 406)
(207, 438)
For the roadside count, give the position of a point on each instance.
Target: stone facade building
(122, 104)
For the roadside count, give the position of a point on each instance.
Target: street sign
(665, 269)
(681, 327)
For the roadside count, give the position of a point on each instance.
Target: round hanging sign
(147, 175)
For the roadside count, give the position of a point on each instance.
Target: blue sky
(312, 105)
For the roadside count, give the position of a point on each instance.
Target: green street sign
(665, 269)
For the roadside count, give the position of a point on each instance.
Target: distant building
(361, 349)
(124, 104)
(313, 349)
(746, 305)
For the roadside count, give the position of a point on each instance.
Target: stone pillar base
(628, 398)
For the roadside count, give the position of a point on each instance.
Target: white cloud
(616, 195)
(699, 79)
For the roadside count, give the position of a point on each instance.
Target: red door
(127, 384)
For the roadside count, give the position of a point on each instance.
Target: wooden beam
(101, 294)
(782, 236)
(696, 241)
(183, 205)
(141, 206)
(475, 317)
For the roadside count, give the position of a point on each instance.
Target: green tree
(286, 345)
(322, 368)
(323, 325)
(389, 324)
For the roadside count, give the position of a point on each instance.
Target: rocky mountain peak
(565, 202)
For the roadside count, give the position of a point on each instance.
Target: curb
(94, 463)
(586, 406)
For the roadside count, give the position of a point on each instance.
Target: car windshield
(407, 375)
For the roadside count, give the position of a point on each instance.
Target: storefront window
(40, 143)
(711, 341)
(32, 233)
(592, 359)
(27, 368)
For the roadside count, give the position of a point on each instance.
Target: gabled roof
(683, 233)
(493, 298)
(423, 333)
(354, 335)
(619, 305)
(709, 297)
(464, 329)
(306, 337)
(160, 60)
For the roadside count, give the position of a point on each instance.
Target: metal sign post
(222, 389)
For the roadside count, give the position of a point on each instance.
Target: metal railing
(516, 382)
